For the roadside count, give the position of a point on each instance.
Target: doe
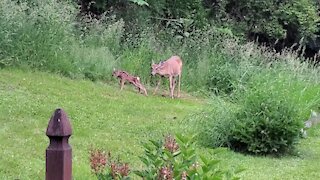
(171, 69)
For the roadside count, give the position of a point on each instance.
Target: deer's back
(174, 65)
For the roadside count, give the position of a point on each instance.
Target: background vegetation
(256, 62)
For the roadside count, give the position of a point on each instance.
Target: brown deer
(126, 77)
(170, 68)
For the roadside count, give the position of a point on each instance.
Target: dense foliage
(264, 118)
(281, 22)
(43, 36)
(266, 123)
(274, 19)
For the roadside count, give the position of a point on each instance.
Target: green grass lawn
(102, 116)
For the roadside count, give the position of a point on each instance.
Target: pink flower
(165, 173)
(98, 160)
(170, 144)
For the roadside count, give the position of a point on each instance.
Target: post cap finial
(59, 124)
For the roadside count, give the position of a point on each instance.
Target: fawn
(126, 77)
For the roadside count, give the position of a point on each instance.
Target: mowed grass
(102, 116)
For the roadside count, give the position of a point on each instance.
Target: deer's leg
(158, 84)
(171, 86)
(179, 85)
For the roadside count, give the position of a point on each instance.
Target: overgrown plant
(37, 36)
(176, 158)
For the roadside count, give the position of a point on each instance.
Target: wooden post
(59, 152)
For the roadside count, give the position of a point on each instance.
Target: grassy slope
(117, 121)
(100, 116)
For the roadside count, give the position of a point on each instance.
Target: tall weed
(43, 35)
(106, 31)
(93, 63)
(38, 36)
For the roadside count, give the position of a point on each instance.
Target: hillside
(102, 116)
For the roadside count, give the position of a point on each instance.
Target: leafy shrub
(267, 123)
(263, 118)
(176, 158)
(173, 158)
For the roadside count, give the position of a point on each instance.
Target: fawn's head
(115, 73)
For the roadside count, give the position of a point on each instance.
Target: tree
(273, 19)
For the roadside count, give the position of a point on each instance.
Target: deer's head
(155, 68)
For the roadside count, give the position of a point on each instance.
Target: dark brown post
(59, 152)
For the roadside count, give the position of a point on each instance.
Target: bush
(172, 158)
(263, 118)
(176, 158)
(267, 123)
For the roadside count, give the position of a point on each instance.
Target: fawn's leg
(136, 85)
(122, 84)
